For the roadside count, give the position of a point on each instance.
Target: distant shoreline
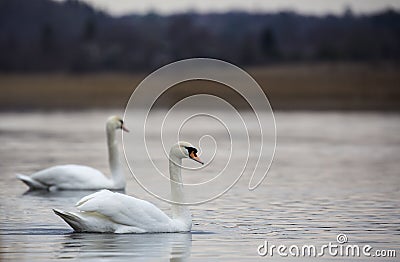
(321, 86)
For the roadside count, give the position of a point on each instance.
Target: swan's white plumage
(107, 211)
(31, 183)
(79, 177)
(72, 177)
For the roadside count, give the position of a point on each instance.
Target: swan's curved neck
(118, 177)
(178, 211)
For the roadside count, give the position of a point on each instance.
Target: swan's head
(115, 122)
(185, 150)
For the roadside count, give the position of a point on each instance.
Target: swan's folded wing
(123, 209)
(100, 195)
(71, 177)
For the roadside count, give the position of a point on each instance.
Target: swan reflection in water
(147, 247)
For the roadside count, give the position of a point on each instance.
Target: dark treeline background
(42, 35)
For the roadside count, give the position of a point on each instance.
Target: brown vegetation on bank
(288, 87)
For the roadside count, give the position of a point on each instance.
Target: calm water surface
(333, 173)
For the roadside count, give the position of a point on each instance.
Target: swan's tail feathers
(31, 183)
(71, 219)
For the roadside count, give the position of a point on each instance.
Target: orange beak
(124, 128)
(195, 157)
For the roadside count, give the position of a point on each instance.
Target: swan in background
(106, 211)
(77, 177)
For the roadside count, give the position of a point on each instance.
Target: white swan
(106, 211)
(77, 177)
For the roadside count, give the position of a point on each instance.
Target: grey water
(333, 173)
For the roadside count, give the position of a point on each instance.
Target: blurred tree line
(42, 35)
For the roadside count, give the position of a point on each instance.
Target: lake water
(333, 173)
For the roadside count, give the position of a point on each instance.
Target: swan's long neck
(118, 177)
(178, 211)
